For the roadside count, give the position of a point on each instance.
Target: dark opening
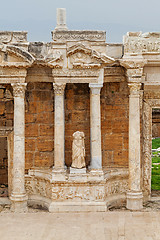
(3, 167)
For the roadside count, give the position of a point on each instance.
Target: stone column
(59, 128)
(134, 195)
(18, 195)
(95, 126)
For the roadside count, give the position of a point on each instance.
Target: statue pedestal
(77, 174)
(77, 170)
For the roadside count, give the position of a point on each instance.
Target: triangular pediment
(80, 55)
(13, 56)
(54, 59)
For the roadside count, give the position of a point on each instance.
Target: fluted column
(59, 127)
(95, 126)
(134, 195)
(18, 195)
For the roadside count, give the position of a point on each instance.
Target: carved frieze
(9, 37)
(73, 35)
(116, 187)
(137, 42)
(38, 186)
(78, 193)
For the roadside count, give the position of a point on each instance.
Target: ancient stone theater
(76, 119)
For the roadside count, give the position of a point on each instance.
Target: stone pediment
(12, 56)
(55, 59)
(80, 56)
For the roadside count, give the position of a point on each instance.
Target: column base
(58, 174)
(134, 201)
(19, 203)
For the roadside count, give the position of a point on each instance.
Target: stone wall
(114, 108)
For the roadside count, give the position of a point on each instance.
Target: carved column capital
(59, 88)
(134, 88)
(19, 89)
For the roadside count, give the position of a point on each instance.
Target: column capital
(95, 88)
(19, 89)
(59, 88)
(134, 88)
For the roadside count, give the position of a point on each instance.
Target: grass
(155, 181)
(155, 143)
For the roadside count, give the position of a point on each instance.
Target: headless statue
(78, 150)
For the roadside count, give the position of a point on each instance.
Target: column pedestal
(18, 195)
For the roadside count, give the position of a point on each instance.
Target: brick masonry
(39, 128)
(115, 120)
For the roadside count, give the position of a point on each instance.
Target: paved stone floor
(112, 225)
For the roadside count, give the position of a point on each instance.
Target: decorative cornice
(59, 88)
(19, 89)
